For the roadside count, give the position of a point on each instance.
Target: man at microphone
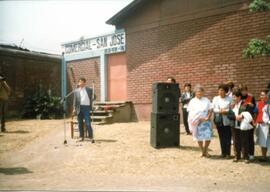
(82, 105)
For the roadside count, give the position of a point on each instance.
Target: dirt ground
(33, 157)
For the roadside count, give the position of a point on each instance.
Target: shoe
(91, 139)
(251, 158)
(227, 156)
(235, 160)
(222, 156)
(246, 161)
(207, 155)
(80, 140)
(188, 133)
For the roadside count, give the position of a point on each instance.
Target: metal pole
(63, 94)
(93, 109)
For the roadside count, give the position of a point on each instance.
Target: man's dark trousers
(3, 105)
(85, 114)
(185, 119)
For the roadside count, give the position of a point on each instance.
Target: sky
(43, 25)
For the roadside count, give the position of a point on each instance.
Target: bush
(42, 105)
(257, 47)
(259, 6)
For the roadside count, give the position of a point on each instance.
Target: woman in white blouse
(221, 106)
(200, 111)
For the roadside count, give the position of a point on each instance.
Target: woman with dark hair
(242, 125)
(250, 103)
(171, 80)
(230, 85)
(221, 106)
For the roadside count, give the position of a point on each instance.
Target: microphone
(65, 97)
(2, 78)
(63, 100)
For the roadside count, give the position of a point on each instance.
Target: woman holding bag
(242, 126)
(221, 106)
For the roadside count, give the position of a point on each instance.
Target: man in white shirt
(82, 105)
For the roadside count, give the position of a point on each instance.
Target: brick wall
(206, 50)
(88, 68)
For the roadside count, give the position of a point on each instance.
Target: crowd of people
(237, 116)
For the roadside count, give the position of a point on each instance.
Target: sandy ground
(33, 157)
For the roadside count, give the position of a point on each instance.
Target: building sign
(112, 43)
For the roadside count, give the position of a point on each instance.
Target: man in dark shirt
(4, 95)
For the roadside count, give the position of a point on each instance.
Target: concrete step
(109, 107)
(108, 112)
(94, 118)
(101, 117)
(111, 103)
(94, 122)
(101, 113)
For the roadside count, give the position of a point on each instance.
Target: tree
(258, 47)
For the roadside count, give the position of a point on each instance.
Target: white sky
(44, 25)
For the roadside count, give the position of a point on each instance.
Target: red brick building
(196, 41)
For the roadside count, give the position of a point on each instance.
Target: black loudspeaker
(164, 130)
(165, 98)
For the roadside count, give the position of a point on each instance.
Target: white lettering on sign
(111, 43)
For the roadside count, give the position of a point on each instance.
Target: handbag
(218, 119)
(231, 115)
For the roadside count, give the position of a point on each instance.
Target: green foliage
(42, 105)
(259, 6)
(257, 47)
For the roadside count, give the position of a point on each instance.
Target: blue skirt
(204, 131)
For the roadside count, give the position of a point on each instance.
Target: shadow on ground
(105, 141)
(15, 171)
(18, 131)
(191, 148)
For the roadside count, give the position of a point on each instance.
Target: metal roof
(18, 51)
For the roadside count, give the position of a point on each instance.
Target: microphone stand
(92, 120)
(63, 101)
